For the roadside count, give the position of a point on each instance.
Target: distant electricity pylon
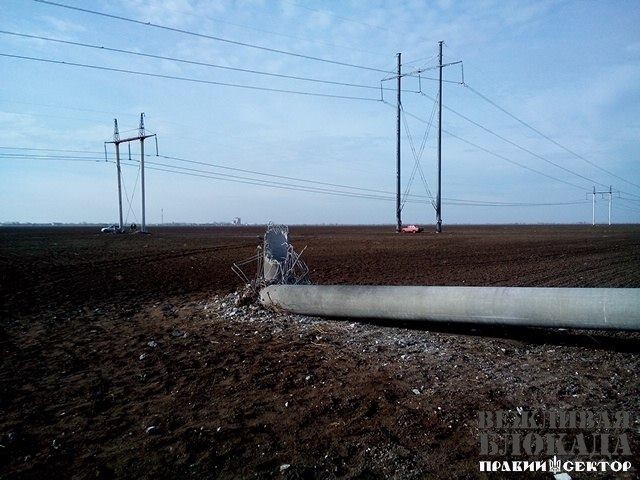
(593, 194)
(416, 73)
(117, 141)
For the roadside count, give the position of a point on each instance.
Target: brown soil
(120, 356)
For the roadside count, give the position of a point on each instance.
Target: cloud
(63, 27)
(174, 13)
(334, 140)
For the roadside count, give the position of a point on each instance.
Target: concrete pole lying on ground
(592, 308)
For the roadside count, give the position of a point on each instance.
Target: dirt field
(124, 356)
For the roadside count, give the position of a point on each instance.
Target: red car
(412, 229)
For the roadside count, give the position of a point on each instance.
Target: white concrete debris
(562, 476)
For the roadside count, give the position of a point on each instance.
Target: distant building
(237, 221)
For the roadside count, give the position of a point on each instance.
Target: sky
(570, 69)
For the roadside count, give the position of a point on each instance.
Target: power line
(133, 194)
(230, 176)
(382, 195)
(510, 142)
(253, 172)
(348, 194)
(32, 156)
(56, 157)
(224, 177)
(194, 62)
(210, 37)
(550, 139)
(506, 159)
(314, 181)
(490, 152)
(187, 79)
(187, 32)
(421, 60)
(279, 34)
(253, 181)
(270, 174)
(417, 155)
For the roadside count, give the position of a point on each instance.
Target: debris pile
(276, 262)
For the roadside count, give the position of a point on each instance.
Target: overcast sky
(569, 69)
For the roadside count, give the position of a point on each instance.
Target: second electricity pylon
(414, 73)
(398, 135)
(439, 199)
(117, 141)
(440, 66)
(593, 194)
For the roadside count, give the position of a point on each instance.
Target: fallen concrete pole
(594, 308)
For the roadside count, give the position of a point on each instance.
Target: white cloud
(63, 27)
(590, 108)
(174, 13)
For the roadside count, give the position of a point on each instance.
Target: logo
(554, 441)
(554, 465)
